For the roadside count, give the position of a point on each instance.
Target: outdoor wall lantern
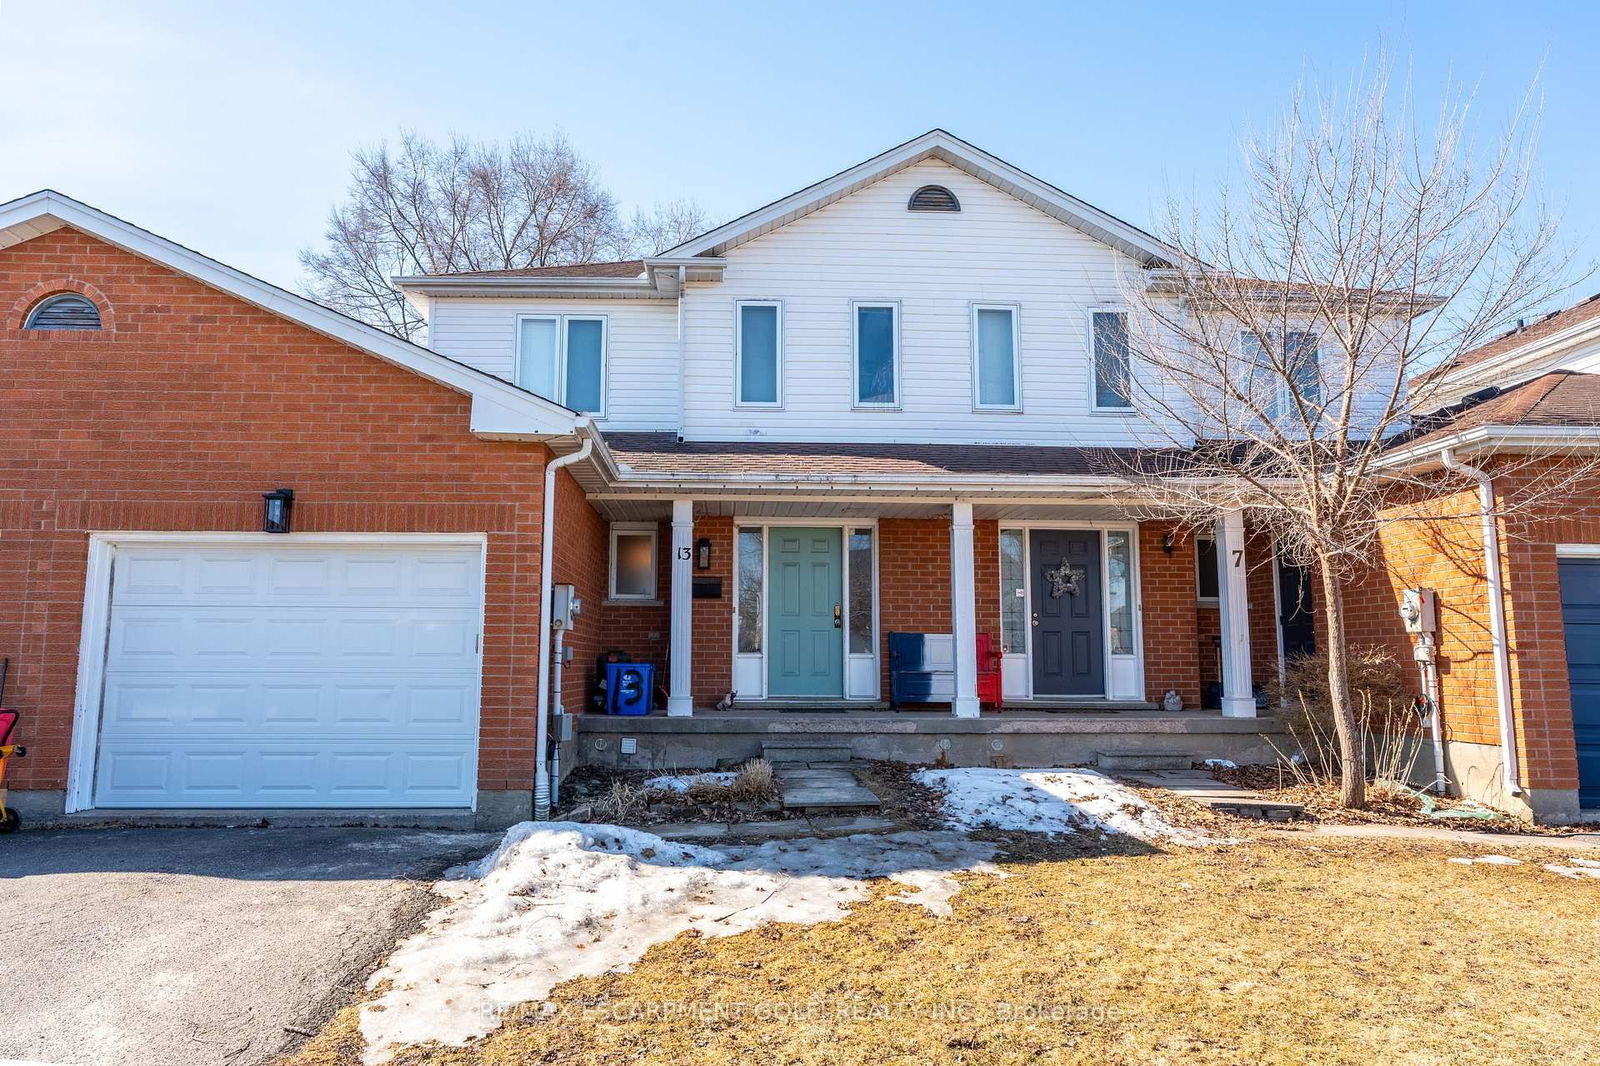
(275, 509)
(702, 553)
(1167, 542)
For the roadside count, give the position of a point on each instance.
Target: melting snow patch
(1487, 860)
(558, 900)
(684, 782)
(1579, 868)
(1220, 764)
(1053, 802)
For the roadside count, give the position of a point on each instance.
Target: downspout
(683, 283)
(1497, 614)
(541, 772)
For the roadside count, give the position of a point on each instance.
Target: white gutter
(1497, 614)
(541, 772)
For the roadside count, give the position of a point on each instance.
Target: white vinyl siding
(641, 349)
(760, 353)
(996, 361)
(867, 248)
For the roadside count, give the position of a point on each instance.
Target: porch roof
(662, 454)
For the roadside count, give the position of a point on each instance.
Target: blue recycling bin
(628, 687)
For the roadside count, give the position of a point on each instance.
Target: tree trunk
(1352, 751)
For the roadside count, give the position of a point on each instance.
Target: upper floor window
(563, 358)
(1113, 374)
(759, 354)
(66, 310)
(933, 198)
(994, 357)
(877, 354)
(1292, 370)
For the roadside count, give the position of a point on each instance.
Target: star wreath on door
(1064, 579)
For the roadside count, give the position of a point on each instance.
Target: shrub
(1380, 689)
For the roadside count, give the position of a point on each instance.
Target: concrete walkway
(1574, 842)
(198, 947)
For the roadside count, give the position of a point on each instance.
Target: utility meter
(565, 606)
(1419, 610)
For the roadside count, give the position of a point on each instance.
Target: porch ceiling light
(276, 508)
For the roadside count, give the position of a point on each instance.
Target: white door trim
(1135, 566)
(844, 525)
(95, 631)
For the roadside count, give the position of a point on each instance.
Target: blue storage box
(922, 668)
(628, 687)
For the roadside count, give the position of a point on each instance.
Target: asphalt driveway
(196, 947)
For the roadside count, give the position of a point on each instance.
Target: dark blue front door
(1068, 620)
(1580, 610)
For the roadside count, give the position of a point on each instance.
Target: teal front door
(805, 604)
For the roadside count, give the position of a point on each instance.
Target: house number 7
(1238, 557)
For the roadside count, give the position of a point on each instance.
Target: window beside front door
(633, 562)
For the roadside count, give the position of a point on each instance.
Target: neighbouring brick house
(752, 470)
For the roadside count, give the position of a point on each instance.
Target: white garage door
(301, 676)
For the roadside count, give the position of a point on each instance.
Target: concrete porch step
(1143, 762)
(805, 752)
(820, 788)
(1201, 787)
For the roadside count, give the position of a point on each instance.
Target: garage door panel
(441, 577)
(302, 638)
(287, 775)
(298, 677)
(203, 704)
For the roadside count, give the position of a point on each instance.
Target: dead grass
(1298, 952)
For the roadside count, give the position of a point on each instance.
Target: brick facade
(178, 417)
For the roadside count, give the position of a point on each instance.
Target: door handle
(1035, 618)
(838, 617)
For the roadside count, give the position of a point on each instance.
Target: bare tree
(667, 225)
(1275, 351)
(426, 208)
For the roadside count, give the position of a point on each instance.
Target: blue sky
(228, 126)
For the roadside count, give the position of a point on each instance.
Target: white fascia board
(1493, 438)
(950, 149)
(515, 408)
(543, 286)
(1509, 367)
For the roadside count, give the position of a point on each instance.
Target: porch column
(963, 611)
(1238, 699)
(680, 651)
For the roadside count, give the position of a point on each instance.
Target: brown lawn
(1293, 951)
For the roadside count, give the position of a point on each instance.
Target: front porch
(1132, 736)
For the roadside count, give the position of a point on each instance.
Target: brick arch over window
(55, 287)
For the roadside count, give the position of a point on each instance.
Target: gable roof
(947, 148)
(1556, 332)
(499, 408)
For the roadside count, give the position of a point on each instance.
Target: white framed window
(1206, 578)
(563, 358)
(633, 561)
(758, 353)
(1112, 388)
(996, 357)
(1301, 372)
(875, 353)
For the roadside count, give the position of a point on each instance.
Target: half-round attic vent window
(66, 311)
(933, 198)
